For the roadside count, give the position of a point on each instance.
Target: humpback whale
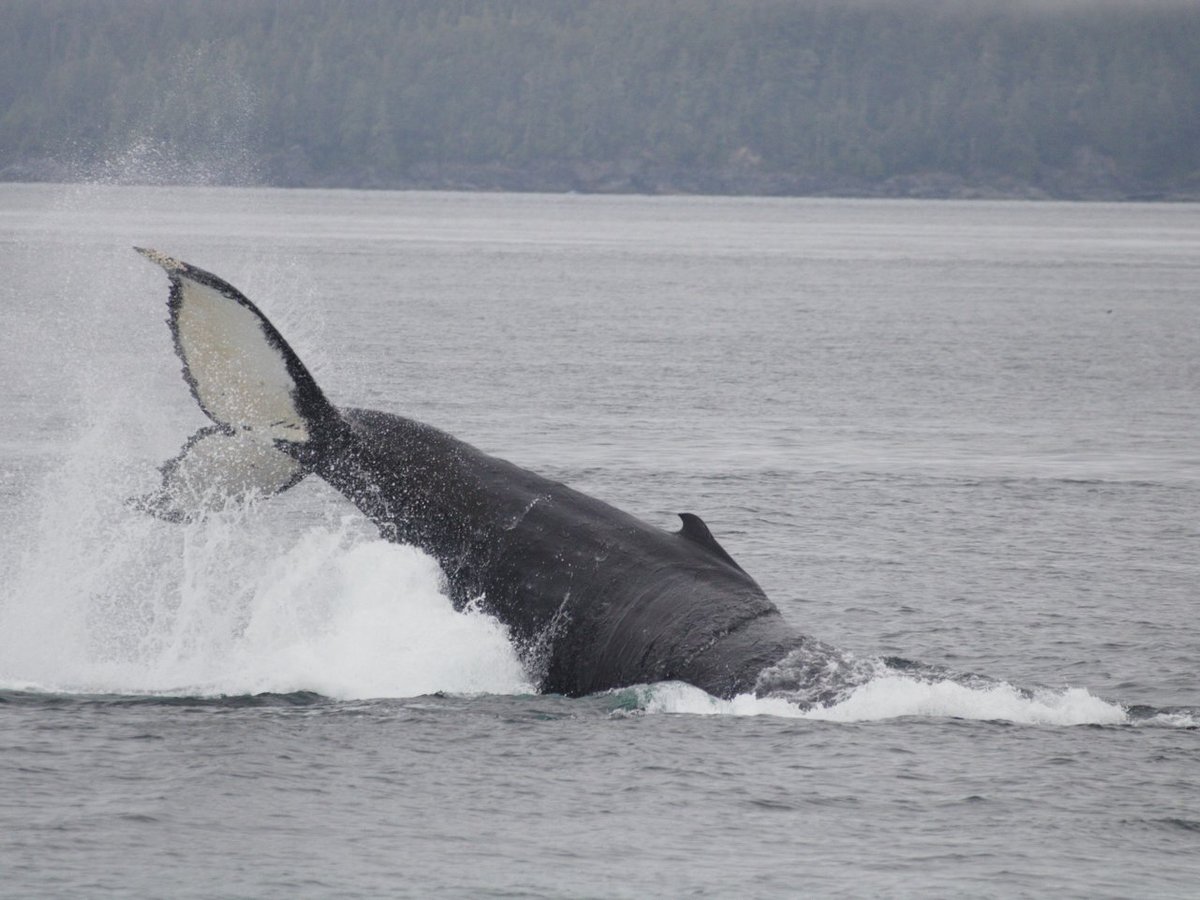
(593, 597)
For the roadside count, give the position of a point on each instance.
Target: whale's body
(594, 597)
(602, 599)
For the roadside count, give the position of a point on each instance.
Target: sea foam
(897, 696)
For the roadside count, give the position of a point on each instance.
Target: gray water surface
(959, 433)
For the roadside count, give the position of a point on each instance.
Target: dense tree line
(1067, 98)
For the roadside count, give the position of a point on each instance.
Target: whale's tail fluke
(247, 379)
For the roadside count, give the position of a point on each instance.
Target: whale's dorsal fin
(697, 532)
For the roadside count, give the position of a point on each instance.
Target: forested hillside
(1066, 98)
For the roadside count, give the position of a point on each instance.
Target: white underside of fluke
(237, 366)
(217, 468)
(240, 377)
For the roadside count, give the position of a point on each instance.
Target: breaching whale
(592, 596)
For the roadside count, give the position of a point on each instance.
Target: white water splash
(353, 619)
(896, 696)
(1176, 719)
(106, 600)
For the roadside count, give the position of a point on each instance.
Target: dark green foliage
(1069, 98)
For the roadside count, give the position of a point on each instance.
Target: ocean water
(964, 434)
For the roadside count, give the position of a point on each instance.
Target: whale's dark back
(595, 597)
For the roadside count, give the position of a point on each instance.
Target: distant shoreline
(633, 178)
(922, 99)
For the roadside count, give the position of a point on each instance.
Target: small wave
(897, 696)
(1180, 824)
(47, 696)
(892, 696)
(1172, 719)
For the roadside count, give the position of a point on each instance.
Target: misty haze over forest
(953, 98)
